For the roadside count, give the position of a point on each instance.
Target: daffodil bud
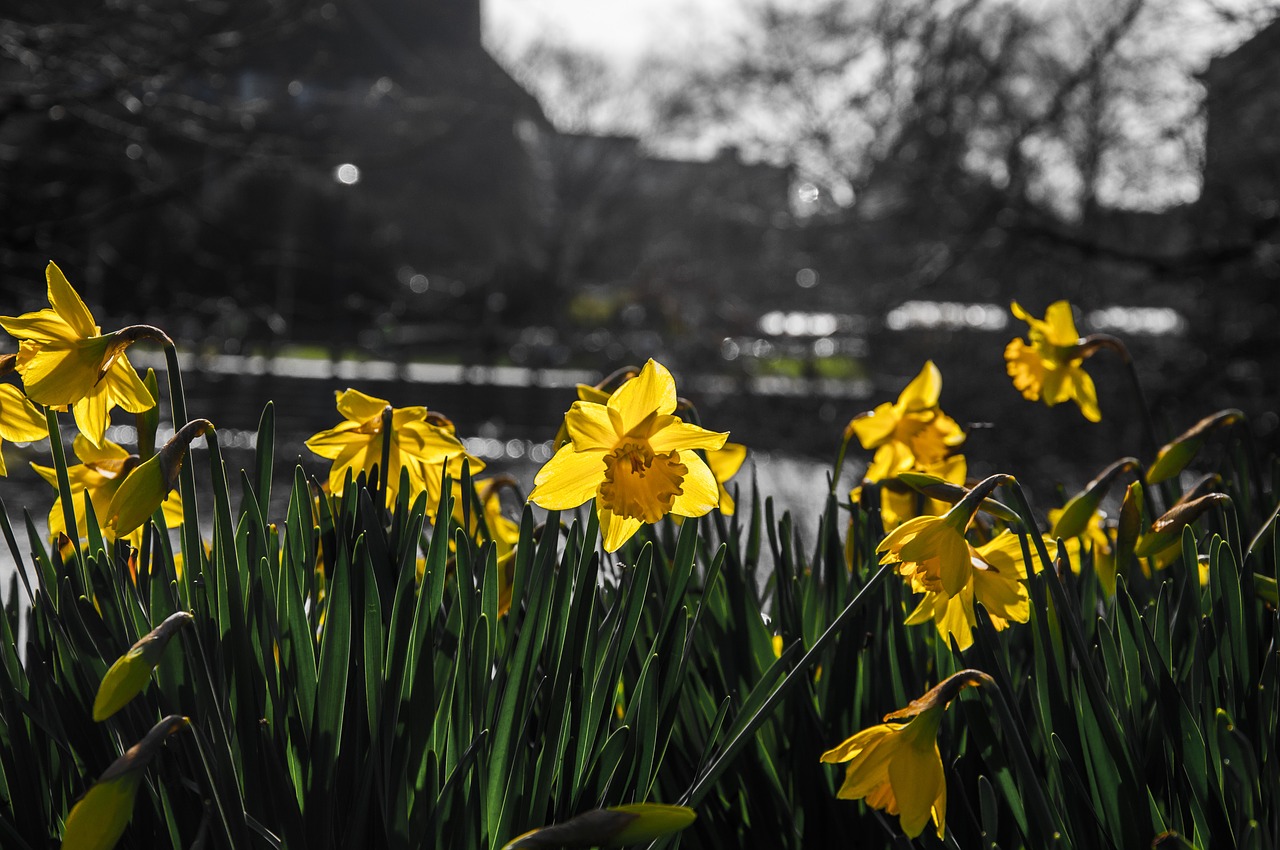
(132, 671)
(1166, 530)
(1075, 515)
(1174, 456)
(98, 820)
(936, 487)
(150, 482)
(616, 826)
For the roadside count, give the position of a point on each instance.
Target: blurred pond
(506, 416)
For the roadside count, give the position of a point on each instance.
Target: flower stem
(1095, 341)
(64, 483)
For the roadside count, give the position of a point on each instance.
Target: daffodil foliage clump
(642, 652)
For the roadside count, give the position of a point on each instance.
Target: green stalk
(192, 550)
(64, 487)
(799, 673)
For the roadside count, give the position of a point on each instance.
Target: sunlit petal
(568, 479)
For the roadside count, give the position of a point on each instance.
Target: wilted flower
(633, 456)
(417, 445)
(896, 766)
(1048, 366)
(65, 359)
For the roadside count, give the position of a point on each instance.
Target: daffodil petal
(726, 461)
(923, 391)
(1060, 325)
(91, 415)
(590, 427)
(676, 435)
(872, 430)
(916, 777)
(652, 390)
(568, 479)
(68, 304)
(616, 530)
(1086, 395)
(126, 389)
(358, 407)
(699, 493)
(333, 442)
(20, 420)
(41, 326)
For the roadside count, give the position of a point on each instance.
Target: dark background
(181, 162)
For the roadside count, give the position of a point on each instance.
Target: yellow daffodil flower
(896, 767)
(911, 432)
(102, 471)
(65, 359)
(20, 420)
(417, 445)
(635, 457)
(930, 552)
(996, 580)
(1048, 365)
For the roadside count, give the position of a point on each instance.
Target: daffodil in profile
(1048, 364)
(997, 580)
(637, 459)
(20, 420)
(931, 552)
(421, 447)
(65, 359)
(102, 471)
(896, 767)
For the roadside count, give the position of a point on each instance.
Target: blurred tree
(108, 109)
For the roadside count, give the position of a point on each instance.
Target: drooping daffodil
(997, 580)
(632, 455)
(65, 359)
(417, 445)
(1048, 364)
(896, 767)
